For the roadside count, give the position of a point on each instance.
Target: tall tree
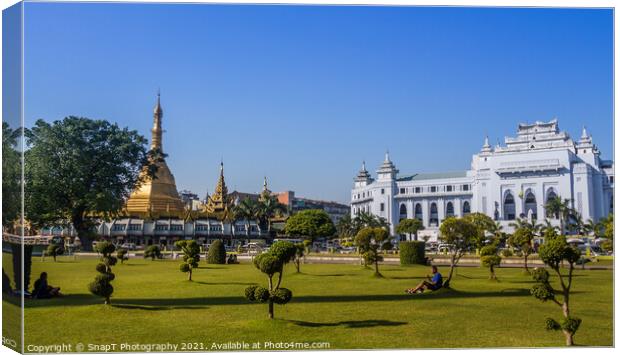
(310, 224)
(247, 210)
(410, 226)
(268, 208)
(81, 170)
(484, 224)
(460, 233)
(523, 238)
(559, 208)
(11, 176)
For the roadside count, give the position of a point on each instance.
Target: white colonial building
(504, 182)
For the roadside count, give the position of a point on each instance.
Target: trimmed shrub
(216, 253)
(412, 253)
(101, 286)
(121, 254)
(153, 252)
(54, 250)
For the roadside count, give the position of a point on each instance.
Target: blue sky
(303, 94)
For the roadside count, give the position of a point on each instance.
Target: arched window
(434, 220)
(418, 211)
(531, 210)
(449, 210)
(403, 211)
(509, 207)
(551, 195)
(466, 208)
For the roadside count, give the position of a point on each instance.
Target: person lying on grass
(43, 290)
(433, 283)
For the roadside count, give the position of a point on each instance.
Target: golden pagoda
(219, 202)
(159, 195)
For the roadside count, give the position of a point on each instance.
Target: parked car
(128, 246)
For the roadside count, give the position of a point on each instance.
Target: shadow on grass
(226, 283)
(155, 308)
(350, 323)
(328, 275)
(87, 299)
(406, 277)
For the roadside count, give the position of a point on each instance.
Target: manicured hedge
(216, 253)
(412, 253)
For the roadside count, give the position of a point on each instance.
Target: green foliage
(121, 254)
(552, 324)
(79, 170)
(543, 292)
(191, 256)
(412, 253)
(261, 294)
(409, 226)
(54, 250)
(555, 250)
(282, 295)
(216, 253)
(506, 253)
(101, 285)
(11, 176)
(300, 250)
(571, 324)
(271, 262)
(540, 274)
(310, 224)
(369, 241)
(490, 259)
(483, 224)
(153, 252)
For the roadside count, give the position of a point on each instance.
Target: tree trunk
(297, 261)
(107, 300)
(569, 338)
(525, 262)
(189, 278)
(270, 309)
(492, 277)
(452, 266)
(82, 231)
(377, 267)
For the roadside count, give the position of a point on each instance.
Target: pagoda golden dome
(156, 195)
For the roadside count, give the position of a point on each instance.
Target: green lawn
(339, 304)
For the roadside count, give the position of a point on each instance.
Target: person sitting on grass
(433, 283)
(43, 290)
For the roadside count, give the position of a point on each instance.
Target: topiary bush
(101, 286)
(191, 256)
(121, 254)
(412, 253)
(54, 250)
(153, 252)
(270, 263)
(216, 253)
(490, 259)
(553, 253)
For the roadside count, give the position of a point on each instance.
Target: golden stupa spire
(218, 201)
(266, 193)
(156, 131)
(158, 195)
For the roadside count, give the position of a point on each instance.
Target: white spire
(363, 165)
(486, 142)
(387, 156)
(584, 133)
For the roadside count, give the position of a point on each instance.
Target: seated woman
(433, 283)
(43, 290)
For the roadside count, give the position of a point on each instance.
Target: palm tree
(559, 209)
(523, 237)
(247, 210)
(498, 234)
(269, 207)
